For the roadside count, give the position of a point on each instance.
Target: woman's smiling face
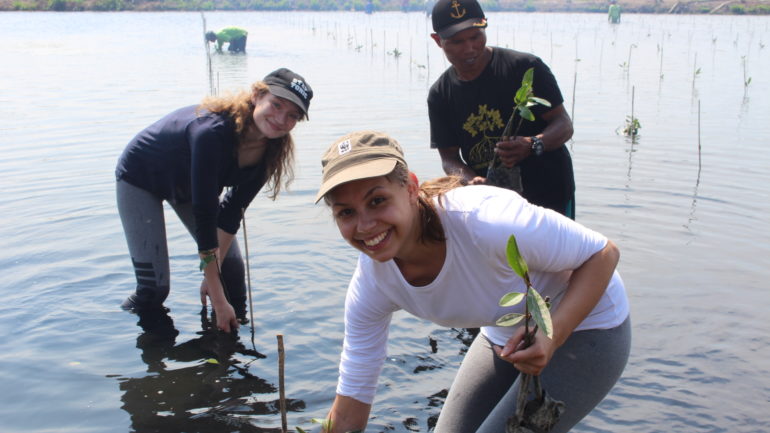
(275, 116)
(376, 216)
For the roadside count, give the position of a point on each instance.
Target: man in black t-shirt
(470, 103)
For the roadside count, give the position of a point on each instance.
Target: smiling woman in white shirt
(438, 251)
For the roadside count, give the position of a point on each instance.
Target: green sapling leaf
(528, 77)
(515, 261)
(509, 319)
(511, 299)
(540, 101)
(527, 113)
(522, 95)
(539, 310)
(326, 423)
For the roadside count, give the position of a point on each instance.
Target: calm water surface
(75, 87)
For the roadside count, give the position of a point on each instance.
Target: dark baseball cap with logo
(289, 85)
(453, 16)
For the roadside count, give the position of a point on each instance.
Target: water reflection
(691, 216)
(227, 70)
(211, 391)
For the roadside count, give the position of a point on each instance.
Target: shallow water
(74, 88)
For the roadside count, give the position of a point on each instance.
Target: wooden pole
(248, 272)
(699, 158)
(281, 391)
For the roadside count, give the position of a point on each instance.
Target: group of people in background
(436, 250)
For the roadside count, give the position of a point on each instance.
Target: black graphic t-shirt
(472, 115)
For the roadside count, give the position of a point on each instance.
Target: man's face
(465, 48)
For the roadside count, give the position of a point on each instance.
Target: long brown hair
(279, 154)
(431, 229)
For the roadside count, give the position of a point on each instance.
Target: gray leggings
(581, 373)
(141, 213)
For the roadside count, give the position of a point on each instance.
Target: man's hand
(512, 150)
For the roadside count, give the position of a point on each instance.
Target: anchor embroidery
(457, 12)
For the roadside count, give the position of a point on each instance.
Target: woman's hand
(348, 414)
(225, 313)
(226, 318)
(531, 360)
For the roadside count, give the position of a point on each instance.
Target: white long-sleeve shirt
(477, 221)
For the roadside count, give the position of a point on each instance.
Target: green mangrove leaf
(511, 299)
(509, 319)
(300, 430)
(539, 310)
(212, 361)
(515, 261)
(528, 77)
(326, 423)
(540, 101)
(527, 114)
(522, 95)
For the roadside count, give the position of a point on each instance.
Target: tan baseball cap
(358, 155)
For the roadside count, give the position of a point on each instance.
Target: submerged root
(537, 415)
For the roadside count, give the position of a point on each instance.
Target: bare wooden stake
(248, 272)
(281, 391)
(699, 159)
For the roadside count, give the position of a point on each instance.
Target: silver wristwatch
(537, 146)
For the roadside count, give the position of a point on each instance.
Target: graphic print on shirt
(484, 123)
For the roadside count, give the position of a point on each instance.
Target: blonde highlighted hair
(279, 155)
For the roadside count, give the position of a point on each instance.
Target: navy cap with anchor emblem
(452, 16)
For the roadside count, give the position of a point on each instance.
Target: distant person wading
(613, 13)
(235, 37)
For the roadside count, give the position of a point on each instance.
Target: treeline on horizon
(740, 7)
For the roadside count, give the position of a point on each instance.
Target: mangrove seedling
(630, 49)
(746, 80)
(542, 412)
(523, 100)
(632, 127)
(535, 308)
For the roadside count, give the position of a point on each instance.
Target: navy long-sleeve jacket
(190, 156)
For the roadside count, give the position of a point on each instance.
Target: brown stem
(507, 133)
(281, 392)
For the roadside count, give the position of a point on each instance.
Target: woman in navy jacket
(187, 158)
